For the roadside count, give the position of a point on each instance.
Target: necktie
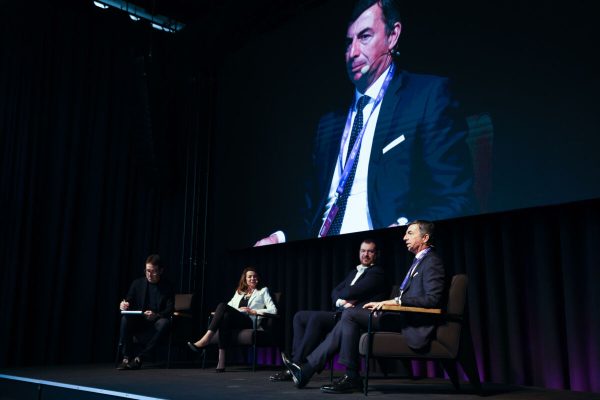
(342, 201)
(409, 274)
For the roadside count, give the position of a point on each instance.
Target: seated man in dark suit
(154, 296)
(363, 284)
(423, 286)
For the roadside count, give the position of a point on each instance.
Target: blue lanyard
(352, 158)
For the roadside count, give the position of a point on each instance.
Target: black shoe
(193, 347)
(135, 364)
(344, 385)
(124, 364)
(281, 376)
(300, 375)
(219, 370)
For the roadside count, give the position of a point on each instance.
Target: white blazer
(260, 300)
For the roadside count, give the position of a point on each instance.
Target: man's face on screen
(368, 47)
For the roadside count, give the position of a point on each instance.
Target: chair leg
(450, 367)
(118, 355)
(169, 345)
(467, 360)
(254, 357)
(367, 362)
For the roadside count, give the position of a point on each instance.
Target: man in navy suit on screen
(398, 154)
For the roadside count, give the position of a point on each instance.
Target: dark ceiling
(198, 11)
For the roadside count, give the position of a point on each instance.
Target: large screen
(496, 109)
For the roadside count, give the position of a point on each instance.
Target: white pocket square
(393, 144)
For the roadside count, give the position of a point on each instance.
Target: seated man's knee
(162, 324)
(301, 317)
(351, 314)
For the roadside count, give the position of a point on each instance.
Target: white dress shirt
(356, 217)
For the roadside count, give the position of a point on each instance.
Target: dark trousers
(310, 328)
(345, 336)
(134, 324)
(225, 319)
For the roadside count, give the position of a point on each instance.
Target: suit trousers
(345, 336)
(135, 324)
(310, 327)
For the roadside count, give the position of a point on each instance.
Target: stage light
(136, 13)
(102, 6)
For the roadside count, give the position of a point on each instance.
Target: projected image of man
(399, 153)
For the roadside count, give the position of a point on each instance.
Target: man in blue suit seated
(399, 153)
(423, 286)
(364, 284)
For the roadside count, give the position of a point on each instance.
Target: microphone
(367, 67)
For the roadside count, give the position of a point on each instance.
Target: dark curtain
(100, 166)
(533, 287)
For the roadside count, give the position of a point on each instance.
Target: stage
(102, 381)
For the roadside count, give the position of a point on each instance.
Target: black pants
(225, 319)
(134, 324)
(310, 328)
(345, 336)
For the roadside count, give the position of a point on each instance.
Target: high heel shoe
(219, 370)
(195, 349)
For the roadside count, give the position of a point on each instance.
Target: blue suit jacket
(420, 165)
(424, 289)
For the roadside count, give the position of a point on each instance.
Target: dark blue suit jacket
(370, 286)
(424, 289)
(420, 166)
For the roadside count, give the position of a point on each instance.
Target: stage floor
(104, 382)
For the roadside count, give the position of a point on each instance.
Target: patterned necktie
(342, 201)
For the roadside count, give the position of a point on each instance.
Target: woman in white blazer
(247, 303)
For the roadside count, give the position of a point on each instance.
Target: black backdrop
(102, 164)
(103, 146)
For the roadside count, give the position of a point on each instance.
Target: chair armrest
(182, 314)
(393, 307)
(266, 314)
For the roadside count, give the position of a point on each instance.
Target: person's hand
(374, 305)
(347, 304)
(150, 315)
(271, 239)
(248, 310)
(124, 305)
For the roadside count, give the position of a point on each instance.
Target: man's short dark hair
(390, 11)
(425, 228)
(369, 241)
(154, 259)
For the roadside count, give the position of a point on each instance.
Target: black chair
(181, 323)
(266, 334)
(452, 343)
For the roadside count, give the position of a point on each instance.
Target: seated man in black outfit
(423, 286)
(363, 284)
(153, 296)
